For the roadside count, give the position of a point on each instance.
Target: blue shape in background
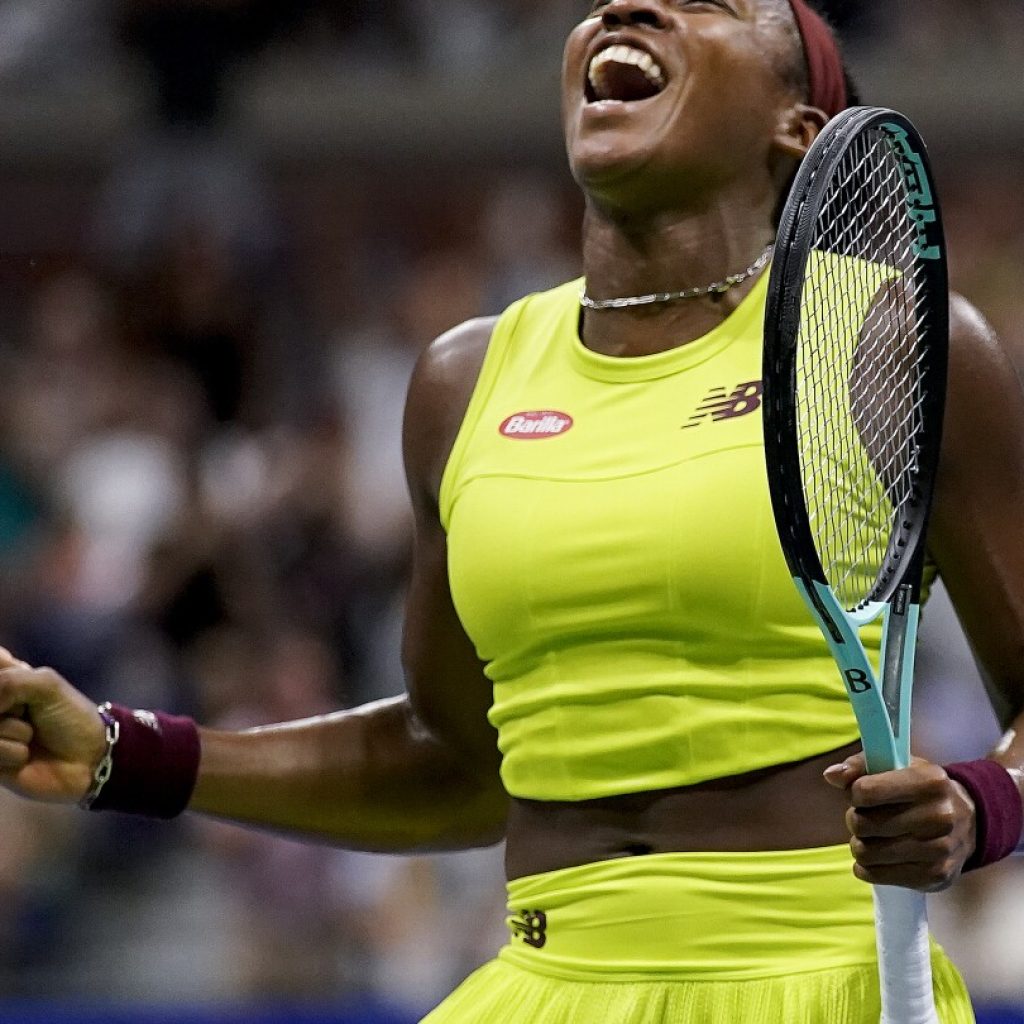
(94, 1013)
(63, 1013)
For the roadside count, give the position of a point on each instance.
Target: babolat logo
(526, 426)
(920, 199)
(530, 927)
(723, 404)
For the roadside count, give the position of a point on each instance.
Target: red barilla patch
(531, 426)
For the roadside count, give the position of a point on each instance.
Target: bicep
(448, 692)
(977, 537)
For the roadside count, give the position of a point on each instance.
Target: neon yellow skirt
(705, 938)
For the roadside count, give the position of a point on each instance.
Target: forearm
(368, 779)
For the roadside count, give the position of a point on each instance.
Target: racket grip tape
(904, 956)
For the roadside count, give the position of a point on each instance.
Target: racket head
(855, 359)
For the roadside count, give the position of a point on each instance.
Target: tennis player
(608, 663)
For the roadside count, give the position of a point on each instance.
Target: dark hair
(853, 96)
(795, 73)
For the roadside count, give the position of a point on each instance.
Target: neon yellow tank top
(613, 557)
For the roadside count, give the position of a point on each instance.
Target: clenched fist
(51, 737)
(913, 828)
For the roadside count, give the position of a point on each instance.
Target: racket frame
(882, 708)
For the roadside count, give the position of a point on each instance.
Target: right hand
(51, 736)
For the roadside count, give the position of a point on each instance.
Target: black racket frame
(904, 559)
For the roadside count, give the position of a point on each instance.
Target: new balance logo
(531, 927)
(724, 405)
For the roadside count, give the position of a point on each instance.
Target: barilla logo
(528, 426)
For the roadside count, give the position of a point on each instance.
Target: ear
(797, 129)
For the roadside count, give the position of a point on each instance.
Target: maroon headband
(824, 62)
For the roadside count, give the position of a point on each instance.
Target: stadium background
(226, 229)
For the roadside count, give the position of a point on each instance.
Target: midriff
(785, 807)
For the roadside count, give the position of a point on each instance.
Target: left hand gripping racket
(856, 343)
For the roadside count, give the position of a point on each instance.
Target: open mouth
(623, 74)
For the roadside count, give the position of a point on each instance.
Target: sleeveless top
(613, 557)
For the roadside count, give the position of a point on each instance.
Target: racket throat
(894, 655)
(897, 664)
(880, 698)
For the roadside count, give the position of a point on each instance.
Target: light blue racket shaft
(883, 716)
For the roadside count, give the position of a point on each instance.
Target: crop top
(613, 556)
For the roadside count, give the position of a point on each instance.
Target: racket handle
(904, 956)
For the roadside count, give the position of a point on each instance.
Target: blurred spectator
(523, 233)
(64, 382)
(32, 30)
(286, 931)
(398, 906)
(190, 45)
(371, 370)
(38, 861)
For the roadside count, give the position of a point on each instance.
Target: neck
(626, 256)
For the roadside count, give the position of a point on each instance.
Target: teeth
(626, 55)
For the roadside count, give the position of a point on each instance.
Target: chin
(641, 180)
(599, 165)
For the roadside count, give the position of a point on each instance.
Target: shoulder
(455, 356)
(439, 393)
(969, 331)
(985, 403)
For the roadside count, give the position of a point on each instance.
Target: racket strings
(860, 382)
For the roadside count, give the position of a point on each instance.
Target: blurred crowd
(456, 37)
(202, 505)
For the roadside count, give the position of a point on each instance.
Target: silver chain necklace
(718, 288)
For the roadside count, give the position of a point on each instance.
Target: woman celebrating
(607, 661)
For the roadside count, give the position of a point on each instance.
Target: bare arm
(978, 536)
(373, 778)
(418, 772)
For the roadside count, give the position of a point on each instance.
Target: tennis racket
(856, 343)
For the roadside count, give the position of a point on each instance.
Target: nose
(621, 13)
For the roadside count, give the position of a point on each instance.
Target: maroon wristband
(155, 764)
(999, 815)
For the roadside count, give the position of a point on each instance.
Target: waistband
(698, 916)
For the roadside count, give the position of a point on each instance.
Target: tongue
(623, 82)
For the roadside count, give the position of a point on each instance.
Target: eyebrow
(727, 5)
